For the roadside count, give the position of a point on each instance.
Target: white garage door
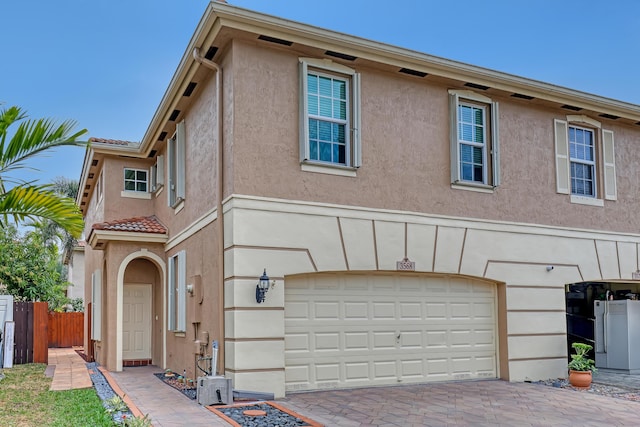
(349, 331)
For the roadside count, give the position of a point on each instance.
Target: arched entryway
(141, 300)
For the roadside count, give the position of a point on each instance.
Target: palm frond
(31, 202)
(32, 137)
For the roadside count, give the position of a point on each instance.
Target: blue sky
(107, 63)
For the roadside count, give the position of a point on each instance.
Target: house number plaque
(406, 265)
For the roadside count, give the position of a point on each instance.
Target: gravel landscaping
(104, 391)
(596, 388)
(274, 416)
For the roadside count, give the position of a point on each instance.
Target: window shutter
(609, 161)
(171, 284)
(495, 148)
(304, 114)
(562, 156)
(171, 166)
(453, 136)
(182, 291)
(160, 171)
(357, 148)
(96, 305)
(180, 160)
(153, 174)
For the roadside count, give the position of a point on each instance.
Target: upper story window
(582, 159)
(176, 166)
(329, 117)
(135, 180)
(474, 140)
(585, 160)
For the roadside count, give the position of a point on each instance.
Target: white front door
(136, 322)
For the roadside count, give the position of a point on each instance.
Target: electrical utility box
(215, 390)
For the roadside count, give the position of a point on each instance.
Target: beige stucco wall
(405, 150)
(290, 238)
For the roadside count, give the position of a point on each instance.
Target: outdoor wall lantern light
(262, 287)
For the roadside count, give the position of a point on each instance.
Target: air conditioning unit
(215, 390)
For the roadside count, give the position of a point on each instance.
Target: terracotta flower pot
(580, 379)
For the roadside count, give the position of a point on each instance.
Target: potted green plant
(581, 368)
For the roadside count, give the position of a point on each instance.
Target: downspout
(219, 176)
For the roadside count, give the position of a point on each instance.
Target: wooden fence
(66, 329)
(31, 325)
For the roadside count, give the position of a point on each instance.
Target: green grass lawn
(25, 400)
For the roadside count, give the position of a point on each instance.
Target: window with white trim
(135, 180)
(177, 291)
(156, 174)
(329, 114)
(474, 139)
(582, 160)
(176, 166)
(585, 160)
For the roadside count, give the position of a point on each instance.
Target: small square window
(135, 180)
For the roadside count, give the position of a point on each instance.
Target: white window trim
(491, 154)
(353, 153)
(586, 200)
(135, 194)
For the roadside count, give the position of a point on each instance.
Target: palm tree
(25, 200)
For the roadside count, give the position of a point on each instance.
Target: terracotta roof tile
(112, 141)
(141, 224)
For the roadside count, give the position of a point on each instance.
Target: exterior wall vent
(152, 154)
(190, 88)
(90, 176)
(162, 136)
(211, 53)
(609, 116)
(275, 40)
(571, 107)
(174, 115)
(412, 72)
(94, 162)
(476, 86)
(521, 96)
(341, 55)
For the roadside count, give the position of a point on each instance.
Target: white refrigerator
(617, 335)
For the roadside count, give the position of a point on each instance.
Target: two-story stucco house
(418, 218)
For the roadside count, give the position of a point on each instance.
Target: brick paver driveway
(472, 403)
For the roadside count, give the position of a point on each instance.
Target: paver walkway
(166, 406)
(69, 369)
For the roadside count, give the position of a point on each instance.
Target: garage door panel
(327, 342)
(356, 340)
(362, 331)
(356, 310)
(410, 310)
(356, 371)
(296, 342)
(327, 372)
